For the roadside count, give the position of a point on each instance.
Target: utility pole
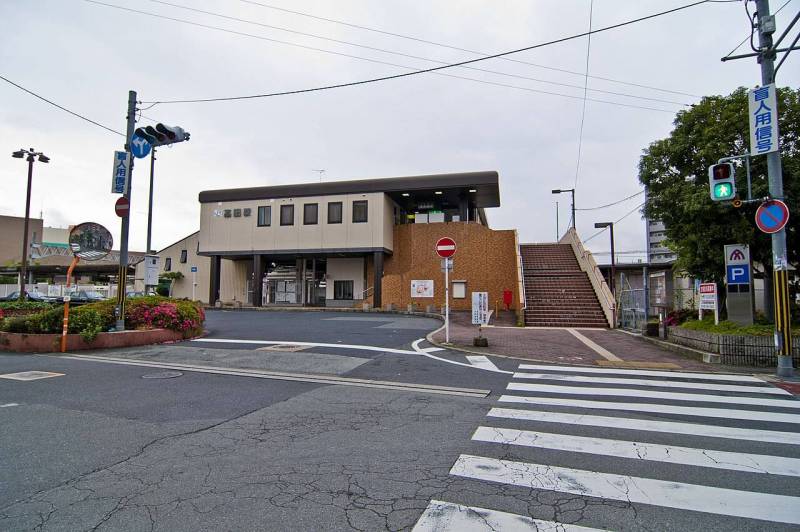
(780, 264)
(23, 270)
(122, 278)
(149, 250)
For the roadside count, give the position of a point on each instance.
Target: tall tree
(675, 172)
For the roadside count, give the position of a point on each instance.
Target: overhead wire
(432, 69)
(749, 37)
(54, 104)
(461, 49)
(382, 50)
(611, 204)
(585, 87)
(616, 221)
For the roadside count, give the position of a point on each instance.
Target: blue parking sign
(738, 274)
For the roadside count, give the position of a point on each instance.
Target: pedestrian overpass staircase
(559, 292)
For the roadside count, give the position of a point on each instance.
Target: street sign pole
(447, 303)
(780, 263)
(122, 276)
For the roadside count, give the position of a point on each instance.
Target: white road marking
(721, 501)
(8, 405)
(299, 377)
(443, 516)
(432, 349)
(602, 351)
(658, 383)
(416, 347)
(309, 344)
(643, 372)
(752, 463)
(780, 402)
(725, 413)
(481, 362)
(669, 427)
(30, 375)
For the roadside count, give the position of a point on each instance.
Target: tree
(171, 277)
(675, 172)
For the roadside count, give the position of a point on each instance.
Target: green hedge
(88, 320)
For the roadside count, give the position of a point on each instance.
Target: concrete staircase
(557, 292)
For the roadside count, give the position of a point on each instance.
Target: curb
(323, 309)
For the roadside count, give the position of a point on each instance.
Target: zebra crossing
(634, 449)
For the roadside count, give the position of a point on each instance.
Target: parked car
(82, 297)
(30, 296)
(135, 294)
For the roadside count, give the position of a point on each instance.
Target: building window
(310, 214)
(287, 214)
(168, 264)
(264, 216)
(183, 256)
(343, 290)
(360, 212)
(335, 212)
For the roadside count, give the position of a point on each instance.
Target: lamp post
(610, 225)
(32, 155)
(572, 192)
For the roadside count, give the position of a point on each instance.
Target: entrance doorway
(294, 282)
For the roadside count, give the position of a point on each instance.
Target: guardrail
(588, 265)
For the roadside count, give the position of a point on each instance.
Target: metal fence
(734, 350)
(632, 314)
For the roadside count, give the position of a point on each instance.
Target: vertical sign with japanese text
(480, 308)
(763, 111)
(119, 177)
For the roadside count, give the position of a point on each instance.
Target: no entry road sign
(446, 247)
(772, 216)
(122, 207)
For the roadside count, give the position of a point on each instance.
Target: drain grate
(163, 375)
(283, 347)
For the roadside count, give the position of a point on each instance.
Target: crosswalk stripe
(481, 361)
(753, 463)
(752, 415)
(694, 497)
(779, 402)
(439, 516)
(648, 373)
(658, 383)
(669, 427)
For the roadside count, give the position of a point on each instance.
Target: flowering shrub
(162, 313)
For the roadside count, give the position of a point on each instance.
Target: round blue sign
(139, 147)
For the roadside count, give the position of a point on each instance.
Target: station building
(349, 243)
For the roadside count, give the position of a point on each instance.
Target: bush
(147, 312)
(676, 317)
(728, 327)
(19, 308)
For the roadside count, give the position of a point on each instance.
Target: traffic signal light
(721, 182)
(162, 135)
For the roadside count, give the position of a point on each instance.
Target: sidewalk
(566, 346)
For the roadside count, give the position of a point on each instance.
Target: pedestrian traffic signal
(721, 182)
(162, 135)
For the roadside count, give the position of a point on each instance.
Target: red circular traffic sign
(446, 247)
(122, 207)
(772, 216)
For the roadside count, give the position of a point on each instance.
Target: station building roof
(406, 191)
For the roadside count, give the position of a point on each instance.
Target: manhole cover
(163, 375)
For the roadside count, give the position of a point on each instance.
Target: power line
(460, 49)
(583, 106)
(751, 30)
(616, 221)
(611, 204)
(432, 69)
(372, 48)
(54, 104)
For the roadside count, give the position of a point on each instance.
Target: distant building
(657, 251)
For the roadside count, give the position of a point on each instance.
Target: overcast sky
(87, 57)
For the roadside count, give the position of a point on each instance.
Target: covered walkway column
(213, 291)
(258, 275)
(377, 279)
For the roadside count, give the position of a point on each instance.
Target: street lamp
(32, 155)
(571, 191)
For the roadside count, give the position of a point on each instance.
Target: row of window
(311, 213)
(168, 260)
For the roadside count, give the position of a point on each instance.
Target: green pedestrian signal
(721, 182)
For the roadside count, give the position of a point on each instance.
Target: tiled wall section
(485, 258)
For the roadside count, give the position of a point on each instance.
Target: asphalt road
(102, 448)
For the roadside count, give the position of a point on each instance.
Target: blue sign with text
(739, 274)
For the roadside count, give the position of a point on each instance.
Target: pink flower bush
(182, 316)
